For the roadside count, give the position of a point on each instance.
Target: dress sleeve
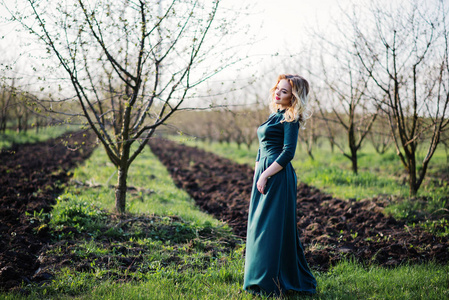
(258, 155)
(290, 140)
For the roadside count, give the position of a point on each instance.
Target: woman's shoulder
(291, 125)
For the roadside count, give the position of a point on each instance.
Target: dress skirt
(275, 261)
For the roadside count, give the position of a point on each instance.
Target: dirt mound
(29, 175)
(330, 228)
(218, 185)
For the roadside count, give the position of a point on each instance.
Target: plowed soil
(329, 228)
(29, 178)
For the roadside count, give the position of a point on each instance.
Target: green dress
(275, 260)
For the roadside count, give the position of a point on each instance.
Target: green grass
(349, 280)
(31, 136)
(165, 248)
(153, 189)
(223, 280)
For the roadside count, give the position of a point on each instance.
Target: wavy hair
(298, 110)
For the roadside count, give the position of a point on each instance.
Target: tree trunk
(309, 152)
(25, 121)
(120, 190)
(354, 161)
(311, 142)
(413, 184)
(19, 125)
(352, 143)
(37, 125)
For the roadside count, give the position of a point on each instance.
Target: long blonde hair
(298, 110)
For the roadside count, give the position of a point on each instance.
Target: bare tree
(6, 104)
(244, 124)
(405, 55)
(310, 136)
(380, 135)
(343, 100)
(131, 64)
(445, 142)
(21, 110)
(15, 108)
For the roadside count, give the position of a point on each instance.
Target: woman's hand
(270, 171)
(261, 183)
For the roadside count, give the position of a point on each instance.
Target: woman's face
(283, 94)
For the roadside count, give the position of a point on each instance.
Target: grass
(152, 189)
(349, 280)
(165, 248)
(345, 281)
(10, 137)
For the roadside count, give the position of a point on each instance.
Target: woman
(275, 261)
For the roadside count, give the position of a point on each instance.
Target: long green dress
(275, 260)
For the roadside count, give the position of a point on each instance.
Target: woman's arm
(270, 171)
(291, 130)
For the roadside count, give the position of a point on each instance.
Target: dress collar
(279, 111)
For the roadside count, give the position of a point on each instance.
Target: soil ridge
(30, 176)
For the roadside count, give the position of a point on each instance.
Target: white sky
(284, 22)
(276, 23)
(279, 26)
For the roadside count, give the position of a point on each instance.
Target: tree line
(20, 112)
(381, 74)
(390, 60)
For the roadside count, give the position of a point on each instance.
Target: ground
(30, 180)
(33, 175)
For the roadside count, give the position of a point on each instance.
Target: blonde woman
(275, 261)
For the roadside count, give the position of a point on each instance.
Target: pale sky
(276, 23)
(278, 27)
(284, 22)
(281, 27)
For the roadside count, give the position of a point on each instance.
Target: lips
(277, 98)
